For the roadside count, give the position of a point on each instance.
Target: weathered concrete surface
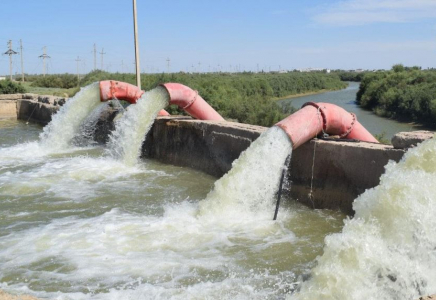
(37, 112)
(342, 170)
(203, 145)
(8, 108)
(11, 96)
(403, 140)
(30, 107)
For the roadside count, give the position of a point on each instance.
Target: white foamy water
(131, 129)
(85, 226)
(249, 188)
(387, 251)
(65, 124)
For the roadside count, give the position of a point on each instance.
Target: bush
(9, 87)
(402, 93)
(243, 97)
(63, 81)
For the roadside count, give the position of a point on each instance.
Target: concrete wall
(342, 170)
(28, 107)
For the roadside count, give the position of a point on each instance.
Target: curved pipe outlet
(111, 89)
(190, 101)
(314, 118)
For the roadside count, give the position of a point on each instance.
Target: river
(346, 99)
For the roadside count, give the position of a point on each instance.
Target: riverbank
(292, 96)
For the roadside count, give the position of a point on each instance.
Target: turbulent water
(249, 187)
(388, 250)
(131, 129)
(81, 225)
(76, 223)
(66, 123)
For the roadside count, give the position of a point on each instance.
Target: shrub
(9, 87)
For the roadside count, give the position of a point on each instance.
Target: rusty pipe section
(111, 89)
(314, 118)
(191, 102)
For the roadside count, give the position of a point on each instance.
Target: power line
(78, 60)
(102, 53)
(95, 57)
(44, 56)
(22, 64)
(10, 52)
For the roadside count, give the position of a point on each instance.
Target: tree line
(403, 93)
(243, 97)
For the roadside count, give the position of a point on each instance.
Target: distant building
(2, 78)
(314, 70)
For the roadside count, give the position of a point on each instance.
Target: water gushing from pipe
(66, 123)
(387, 251)
(131, 129)
(249, 187)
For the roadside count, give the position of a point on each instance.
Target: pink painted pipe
(110, 89)
(190, 101)
(314, 118)
(179, 94)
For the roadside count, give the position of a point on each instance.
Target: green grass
(50, 91)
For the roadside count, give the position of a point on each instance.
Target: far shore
(303, 94)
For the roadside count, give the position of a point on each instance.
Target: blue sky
(220, 35)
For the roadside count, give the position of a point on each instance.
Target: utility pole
(22, 64)
(168, 65)
(122, 66)
(199, 67)
(102, 53)
(10, 52)
(135, 31)
(78, 78)
(95, 57)
(44, 56)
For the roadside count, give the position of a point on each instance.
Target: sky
(219, 35)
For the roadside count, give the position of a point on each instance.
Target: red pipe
(314, 118)
(110, 89)
(190, 101)
(179, 94)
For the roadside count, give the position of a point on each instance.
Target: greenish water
(78, 224)
(346, 99)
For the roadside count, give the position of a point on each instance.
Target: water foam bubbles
(387, 250)
(65, 124)
(131, 129)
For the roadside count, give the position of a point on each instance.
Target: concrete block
(403, 140)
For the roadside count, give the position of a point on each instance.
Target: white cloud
(361, 12)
